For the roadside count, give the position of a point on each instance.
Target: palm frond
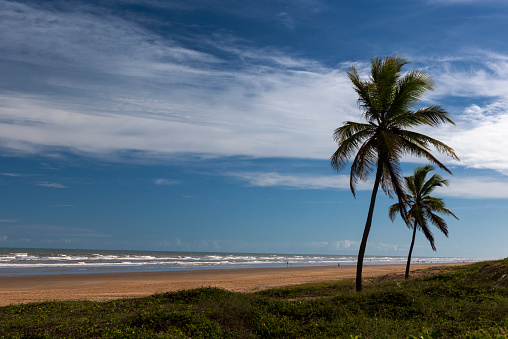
(428, 234)
(409, 90)
(350, 137)
(425, 141)
(411, 145)
(363, 164)
(437, 221)
(397, 186)
(393, 210)
(365, 101)
(435, 181)
(349, 129)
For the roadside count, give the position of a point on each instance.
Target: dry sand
(108, 286)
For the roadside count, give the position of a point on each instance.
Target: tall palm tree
(387, 99)
(422, 207)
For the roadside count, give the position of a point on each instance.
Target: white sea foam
(72, 261)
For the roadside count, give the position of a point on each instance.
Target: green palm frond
(435, 181)
(437, 221)
(417, 145)
(352, 136)
(362, 89)
(350, 129)
(426, 141)
(428, 234)
(363, 164)
(409, 90)
(393, 210)
(422, 207)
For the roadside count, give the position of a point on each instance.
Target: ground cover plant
(453, 302)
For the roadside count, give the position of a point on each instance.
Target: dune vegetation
(469, 301)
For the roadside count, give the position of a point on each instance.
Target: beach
(109, 286)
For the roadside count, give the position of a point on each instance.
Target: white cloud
(166, 182)
(487, 78)
(481, 142)
(80, 37)
(3, 238)
(101, 84)
(11, 174)
(291, 115)
(479, 136)
(286, 20)
(459, 187)
(7, 221)
(346, 245)
(115, 86)
(50, 184)
(476, 188)
(299, 181)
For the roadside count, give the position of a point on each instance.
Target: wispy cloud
(483, 143)
(189, 101)
(101, 83)
(451, 2)
(50, 184)
(53, 231)
(460, 187)
(297, 181)
(352, 246)
(2, 221)
(286, 20)
(166, 182)
(479, 137)
(476, 188)
(11, 174)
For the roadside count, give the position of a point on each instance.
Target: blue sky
(207, 125)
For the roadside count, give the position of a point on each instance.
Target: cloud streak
(462, 187)
(273, 179)
(166, 182)
(50, 184)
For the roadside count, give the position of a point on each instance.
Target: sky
(206, 125)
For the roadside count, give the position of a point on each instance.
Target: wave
(82, 261)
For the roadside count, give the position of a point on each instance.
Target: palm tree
(422, 207)
(387, 99)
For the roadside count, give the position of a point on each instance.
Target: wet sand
(108, 286)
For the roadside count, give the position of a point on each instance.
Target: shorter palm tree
(422, 208)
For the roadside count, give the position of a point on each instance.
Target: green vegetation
(454, 302)
(387, 100)
(423, 207)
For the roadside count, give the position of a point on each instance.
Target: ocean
(15, 262)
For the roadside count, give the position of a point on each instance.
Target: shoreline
(110, 286)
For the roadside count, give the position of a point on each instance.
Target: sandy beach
(108, 286)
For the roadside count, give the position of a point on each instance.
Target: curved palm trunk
(410, 252)
(363, 245)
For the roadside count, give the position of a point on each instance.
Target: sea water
(59, 261)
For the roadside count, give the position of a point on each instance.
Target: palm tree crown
(387, 100)
(422, 206)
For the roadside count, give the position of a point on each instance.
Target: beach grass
(468, 301)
